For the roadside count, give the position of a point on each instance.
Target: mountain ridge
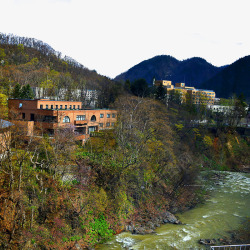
(193, 70)
(235, 79)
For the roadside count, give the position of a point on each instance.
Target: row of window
(66, 119)
(60, 106)
(79, 117)
(107, 124)
(108, 115)
(83, 117)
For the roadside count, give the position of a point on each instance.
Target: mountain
(234, 79)
(193, 71)
(28, 61)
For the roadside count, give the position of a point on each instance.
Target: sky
(111, 36)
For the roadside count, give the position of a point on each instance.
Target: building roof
(205, 90)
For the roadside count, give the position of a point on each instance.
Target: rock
(129, 228)
(151, 225)
(142, 231)
(139, 230)
(165, 221)
(148, 227)
(171, 218)
(207, 241)
(78, 247)
(149, 231)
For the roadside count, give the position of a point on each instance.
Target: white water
(226, 209)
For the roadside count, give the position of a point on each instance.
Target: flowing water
(225, 210)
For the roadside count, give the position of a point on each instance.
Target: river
(225, 209)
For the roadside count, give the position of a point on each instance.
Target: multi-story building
(165, 83)
(46, 116)
(198, 96)
(89, 96)
(202, 96)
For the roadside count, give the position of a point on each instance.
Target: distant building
(198, 96)
(165, 83)
(47, 116)
(221, 109)
(87, 96)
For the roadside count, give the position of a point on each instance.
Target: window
(80, 117)
(101, 115)
(66, 106)
(93, 118)
(49, 118)
(92, 129)
(56, 106)
(20, 105)
(52, 106)
(74, 106)
(41, 106)
(23, 115)
(112, 124)
(107, 124)
(78, 106)
(108, 115)
(60, 106)
(66, 119)
(113, 115)
(101, 125)
(32, 117)
(70, 106)
(47, 106)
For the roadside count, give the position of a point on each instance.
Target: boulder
(170, 218)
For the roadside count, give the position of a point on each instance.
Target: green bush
(99, 230)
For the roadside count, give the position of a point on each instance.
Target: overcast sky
(111, 36)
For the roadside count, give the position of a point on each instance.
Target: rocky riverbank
(149, 226)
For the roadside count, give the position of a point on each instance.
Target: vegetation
(232, 80)
(57, 194)
(29, 62)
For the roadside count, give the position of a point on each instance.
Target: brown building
(47, 116)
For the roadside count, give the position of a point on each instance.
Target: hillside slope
(29, 61)
(193, 71)
(234, 79)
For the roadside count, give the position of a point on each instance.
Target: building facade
(89, 96)
(47, 116)
(198, 96)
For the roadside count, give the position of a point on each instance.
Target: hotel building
(46, 116)
(198, 96)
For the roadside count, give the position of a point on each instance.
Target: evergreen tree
(26, 92)
(16, 91)
(140, 88)
(127, 86)
(160, 92)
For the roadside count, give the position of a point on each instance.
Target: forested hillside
(193, 71)
(58, 194)
(233, 80)
(27, 61)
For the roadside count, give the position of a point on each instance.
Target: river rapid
(225, 210)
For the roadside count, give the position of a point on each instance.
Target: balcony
(80, 122)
